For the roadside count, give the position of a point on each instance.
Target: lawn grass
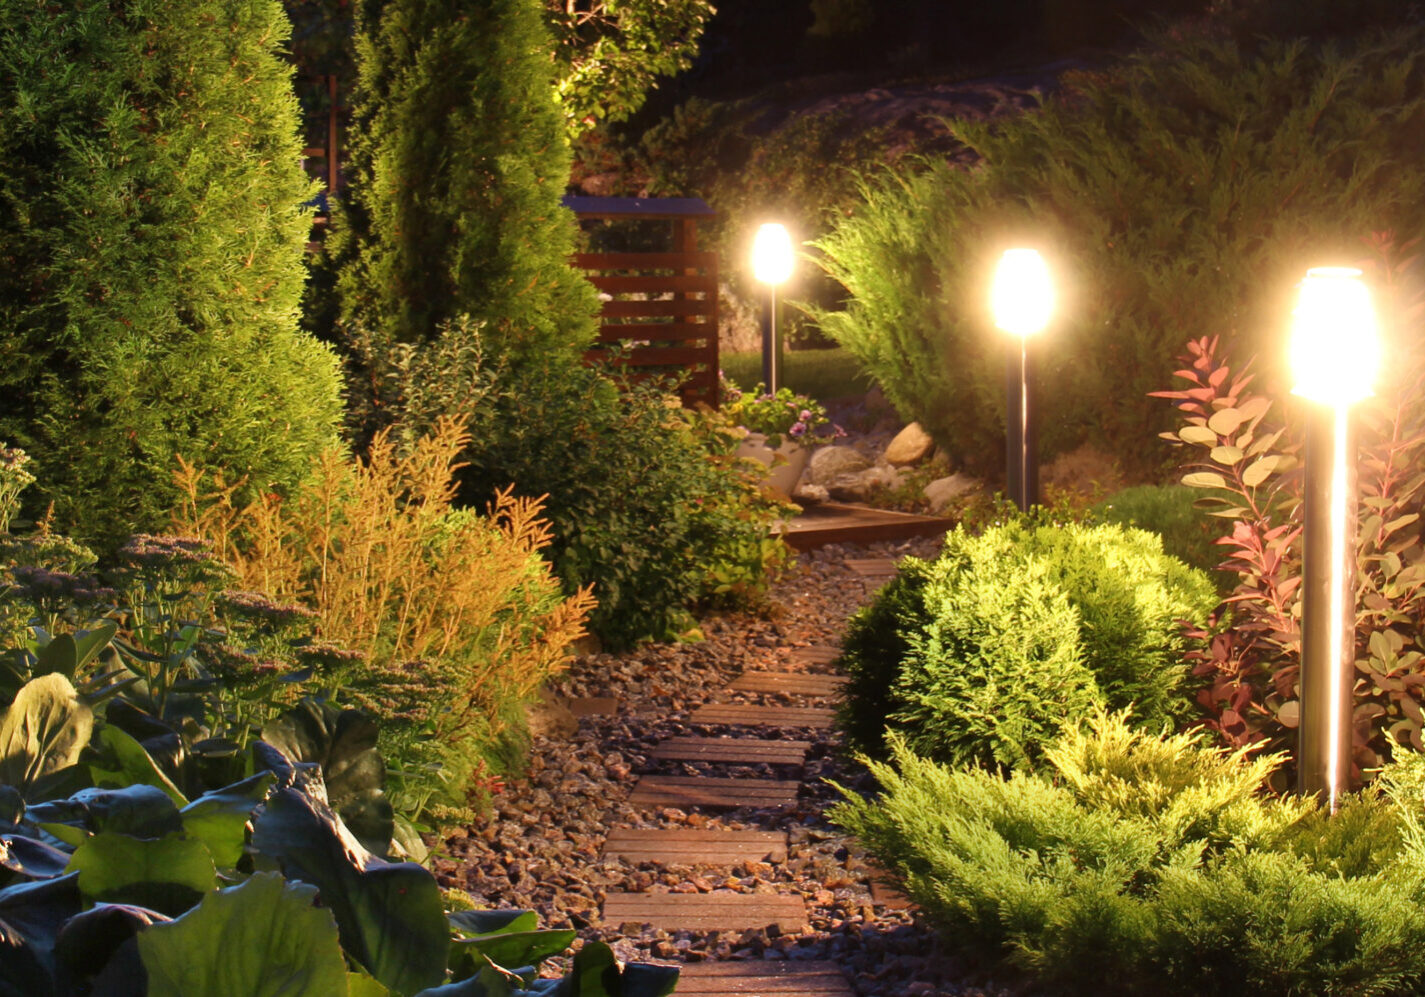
(822, 374)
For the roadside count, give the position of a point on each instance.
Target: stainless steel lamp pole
(1335, 354)
(1022, 300)
(771, 264)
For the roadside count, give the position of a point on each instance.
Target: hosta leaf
(264, 938)
(168, 874)
(44, 730)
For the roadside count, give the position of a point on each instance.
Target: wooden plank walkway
(712, 793)
(706, 911)
(690, 846)
(727, 749)
(817, 655)
(794, 683)
(739, 715)
(836, 522)
(872, 567)
(763, 976)
(594, 706)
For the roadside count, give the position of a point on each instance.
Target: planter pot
(784, 465)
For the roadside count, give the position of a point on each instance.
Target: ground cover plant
(1175, 186)
(1241, 449)
(1152, 863)
(152, 227)
(984, 653)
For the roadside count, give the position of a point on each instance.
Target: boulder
(860, 485)
(911, 446)
(942, 491)
(829, 463)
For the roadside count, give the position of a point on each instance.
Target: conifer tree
(457, 166)
(151, 237)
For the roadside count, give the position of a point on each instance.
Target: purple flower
(839, 431)
(805, 416)
(798, 428)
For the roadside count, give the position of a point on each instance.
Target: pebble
(538, 846)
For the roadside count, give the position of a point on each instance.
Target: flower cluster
(785, 414)
(13, 480)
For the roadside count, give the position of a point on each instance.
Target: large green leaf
(510, 948)
(168, 874)
(66, 654)
(389, 914)
(261, 939)
(44, 730)
(94, 953)
(135, 765)
(142, 811)
(31, 915)
(219, 819)
(490, 981)
(489, 922)
(29, 858)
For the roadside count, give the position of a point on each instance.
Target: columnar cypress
(457, 166)
(151, 239)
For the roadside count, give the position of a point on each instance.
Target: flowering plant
(785, 414)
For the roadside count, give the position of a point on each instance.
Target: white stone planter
(785, 464)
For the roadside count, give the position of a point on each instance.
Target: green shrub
(1177, 196)
(1153, 864)
(152, 233)
(645, 501)
(982, 654)
(457, 166)
(1188, 533)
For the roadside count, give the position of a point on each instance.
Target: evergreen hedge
(151, 239)
(1180, 195)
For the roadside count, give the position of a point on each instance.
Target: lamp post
(772, 265)
(1335, 354)
(1021, 299)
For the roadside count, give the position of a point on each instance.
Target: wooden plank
(713, 792)
(705, 911)
(872, 567)
(668, 331)
(737, 714)
(643, 262)
(655, 283)
(835, 523)
(763, 976)
(644, 309)
(688, 846)
(727, 749)
(594, 706)
(817, 655)
(794, 683)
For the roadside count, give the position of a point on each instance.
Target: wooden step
(594, 706)
(690, 846)
(885, 895)
(706, 911)
(763, 976)
(710, 792)
(776, 716)
(792, 683)
(731, 749)
(872, 567)
(814, 655)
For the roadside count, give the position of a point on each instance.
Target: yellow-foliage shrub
(458, 618)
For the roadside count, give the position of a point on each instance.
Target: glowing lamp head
(772, 254)
(1022, 294)
(1335, 340)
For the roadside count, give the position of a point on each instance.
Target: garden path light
(772, 261)
(1022, 301)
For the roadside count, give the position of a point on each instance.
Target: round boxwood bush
(983, 654)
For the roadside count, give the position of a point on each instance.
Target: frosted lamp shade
(772, 254)
(1335, 339)
(1022, 294)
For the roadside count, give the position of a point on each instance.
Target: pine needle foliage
(1180, 195)
(458, 618)
(151, 241)
(457, 166)
(1144, 863)
(983, 654)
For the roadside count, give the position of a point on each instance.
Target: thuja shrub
(1152, 863)
(457, 618)
(151, 242)
(984, 653)
(1171, 511)
(1175, 187)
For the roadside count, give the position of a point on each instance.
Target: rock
(942, 491)
(911, 446)
(829, 463)
(808, 494)
(858, 486)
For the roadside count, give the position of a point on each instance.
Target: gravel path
(540, 849)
